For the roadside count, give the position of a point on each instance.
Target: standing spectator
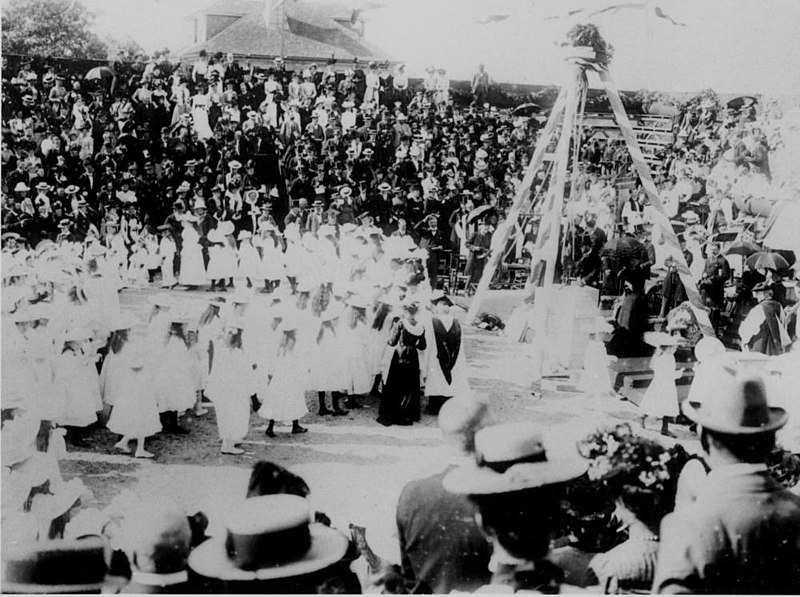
(480, 87)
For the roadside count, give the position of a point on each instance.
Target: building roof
(311, 30)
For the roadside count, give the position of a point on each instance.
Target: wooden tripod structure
(568, 111)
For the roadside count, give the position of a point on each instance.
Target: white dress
(167, 250)
(355, 344)
(661, 397)
(222, 262)
(249, 261)
(173, 383)
(230, 385)
(328, 359)
(284, 397)
(79, 385)
(436, 383)
(193, 270)
(200, 117)
(103, 298)
(112, 375)
(595, 379)
(135, 412)
(272, 261)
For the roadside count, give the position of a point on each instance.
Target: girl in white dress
(272, 258)
(222, 264)
(284, 398)
(707, 351)
(135, 414)
(595, 379)
(249, 260)
(328, 361)
(137, 265)
(193, 269)
(115, 364)
(199, 359)
(230, 384)
(200, 103)
(77, 381)
(661, 398)
(173, 383)
(354, 339)
(166, 252)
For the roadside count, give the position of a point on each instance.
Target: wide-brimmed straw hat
(738, 405)
(513, 457)
(268, 537)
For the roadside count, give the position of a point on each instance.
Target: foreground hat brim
(480, 480)
(694, 410)
(328, 546)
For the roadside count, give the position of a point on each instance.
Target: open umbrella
(99, 73)
(477, 213)
(743, 248)
(528, 109)
(622, 248)
(766, 260)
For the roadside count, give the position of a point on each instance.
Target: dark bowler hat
(738, 405)
(75, 566)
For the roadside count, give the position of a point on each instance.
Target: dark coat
(440, 542)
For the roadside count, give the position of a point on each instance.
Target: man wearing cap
(741, 535)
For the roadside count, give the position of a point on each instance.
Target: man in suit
(762, 330)
(741, 535)
(441, 547)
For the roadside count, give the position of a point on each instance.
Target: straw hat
(268, 537)
(513, 457)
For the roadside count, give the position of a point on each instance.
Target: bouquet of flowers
(784, 467)
(632, 462)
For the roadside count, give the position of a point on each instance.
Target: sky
(733, 46)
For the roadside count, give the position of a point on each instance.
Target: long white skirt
(193, 270)
(328, 363)
(221, 263)
(661, 397)
(173, 383)
(356, 348)
(272, 267)
(79, 384)
(230, 385)
(135, 412)
(249, 263)
(284, 397)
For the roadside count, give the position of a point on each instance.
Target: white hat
(21, 188)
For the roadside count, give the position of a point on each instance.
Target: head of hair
(753, 449)
(268, 478)
(117, 340)
(159, 536)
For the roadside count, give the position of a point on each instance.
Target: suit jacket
(741, 535)
(440, 542)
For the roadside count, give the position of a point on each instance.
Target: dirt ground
(355, 467)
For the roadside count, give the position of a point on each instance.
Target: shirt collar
(160, 580)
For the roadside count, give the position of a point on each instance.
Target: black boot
(76, 437)
(296, 428)
(255, 404)
(376, 387)
(337, 410)
(173, 426)
(269, 432)
(352, 403)
(323, 409)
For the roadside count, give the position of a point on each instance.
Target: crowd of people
(318, 209)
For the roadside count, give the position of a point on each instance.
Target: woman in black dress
(400, 400)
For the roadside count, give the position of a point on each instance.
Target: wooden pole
(662, 220)
(501, 234)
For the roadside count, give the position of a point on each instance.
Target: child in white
(230, 385)
(174, 385)
(193, 270)
(354, 334)
(76, 378)
(167, 251)
(249, 259)
(661, 398)
(199, 367)
(285, 396)
(115, 365)
(138, 264)
(595, 379)
(222, 255)
(706, 351)
(135, 414)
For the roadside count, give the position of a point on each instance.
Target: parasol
(528, 109)
(477, 213)
(766, 260)
(741, 102)
(623, 248)
(743, 248)
(99, 73)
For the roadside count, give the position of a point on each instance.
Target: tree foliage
(50, 28)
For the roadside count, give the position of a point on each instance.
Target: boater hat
(513, 457)
(738, 405)
(268, 537)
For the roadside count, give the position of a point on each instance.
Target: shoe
(144, 454)
(223, 289)
(405, 422)
(188, 288)
(209, 289)
(385, 422)
(264, 291)
(299, 429)
(122, 448)
(339, 412)
(324, 411)
(234, 451)
(352, 404)
(269, 432)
